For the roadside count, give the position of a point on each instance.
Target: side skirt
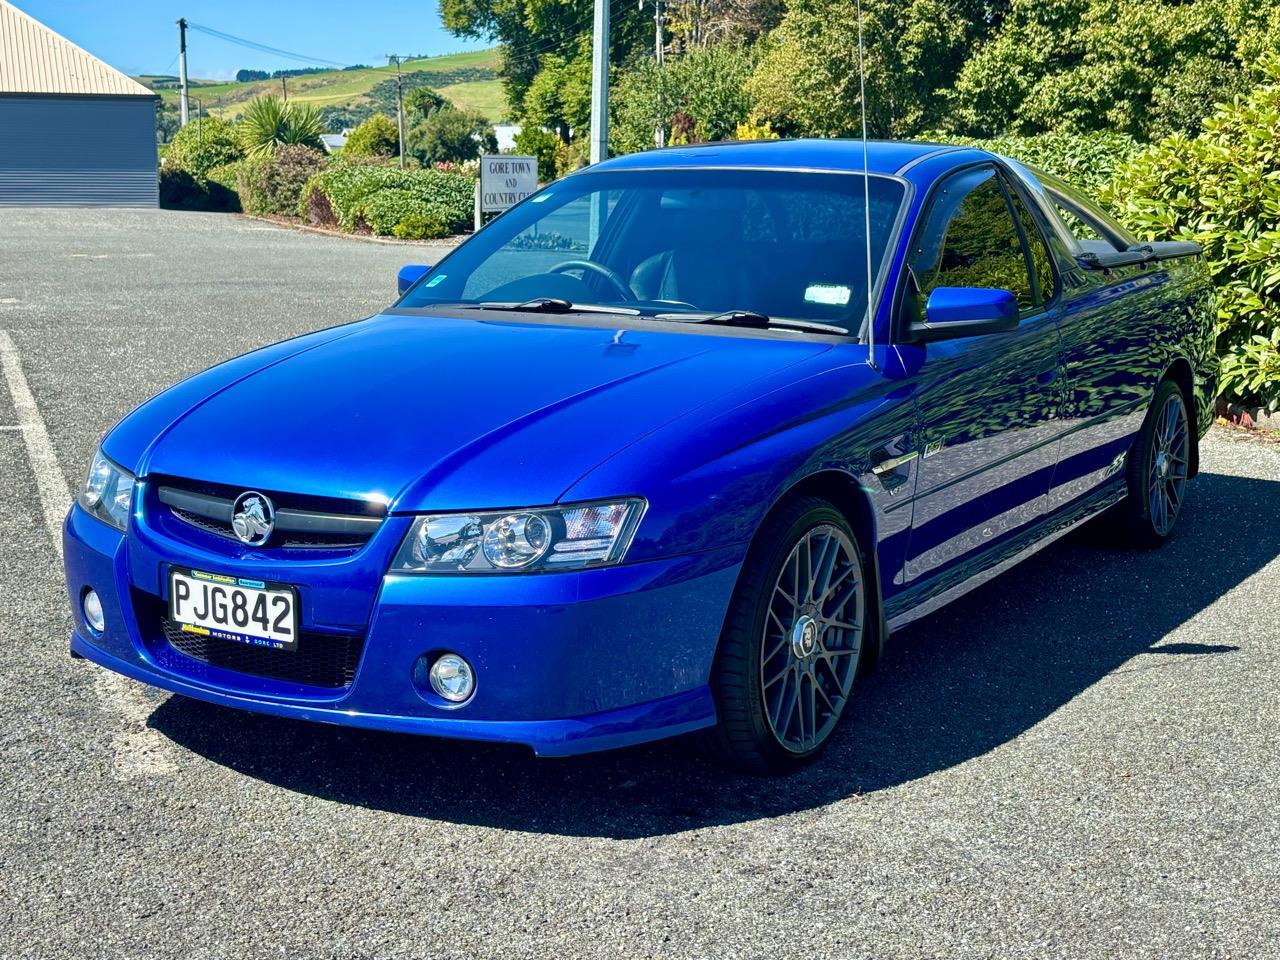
(936, 594)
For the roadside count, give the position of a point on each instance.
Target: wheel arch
(1180, 372)
(843, 491)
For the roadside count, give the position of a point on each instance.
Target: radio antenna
(866, 191)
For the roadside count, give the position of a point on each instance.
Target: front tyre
(793, 639)
(1157, 468)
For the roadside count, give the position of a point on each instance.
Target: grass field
(469, 80)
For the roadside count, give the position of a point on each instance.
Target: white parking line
(139, 750)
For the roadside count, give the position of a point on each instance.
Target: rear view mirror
(966, 312)
(409, 275)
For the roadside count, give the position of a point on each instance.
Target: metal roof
(34, 59)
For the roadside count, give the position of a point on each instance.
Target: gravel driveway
(1078, 760)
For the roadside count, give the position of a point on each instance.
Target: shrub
(1086, 160)
(202, 145)
(1222, 190)
(223, 185)
(697, 97)
(269, 123)
(272, 183)
(424, 226)
(179, 190)
(536, 142)
(451, 135)
(375, 137)
(342, 196)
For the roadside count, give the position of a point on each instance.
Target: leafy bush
(375, 137)
(421, 226)
(754, 130)
(1222, 190)
(536, 142)
(223, 185)
(202, 145)
(179, 190)
(451, 135)
(269, 123)
(343, 197)
(1086, 160)
(272, 183)
(701, 94)
(402, 213)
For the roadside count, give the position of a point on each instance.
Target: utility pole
(659, 134)
(399, 104)
(284, 85)
(600, 83)
(182, 67)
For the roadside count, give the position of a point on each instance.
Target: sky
(141, 36)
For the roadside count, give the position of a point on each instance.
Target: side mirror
(409, 275)
(952, 312)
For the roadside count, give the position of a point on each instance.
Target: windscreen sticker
(437, 279)
(540, 197)
(830, 294)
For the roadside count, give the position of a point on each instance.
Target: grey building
(73, 130)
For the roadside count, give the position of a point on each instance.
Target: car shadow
(952, 687)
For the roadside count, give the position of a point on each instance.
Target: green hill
(468, 80)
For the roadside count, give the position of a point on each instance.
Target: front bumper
(565, 663)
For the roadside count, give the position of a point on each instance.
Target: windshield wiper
(749, 318)
(550, 305)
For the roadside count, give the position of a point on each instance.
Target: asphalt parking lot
(1078, 760)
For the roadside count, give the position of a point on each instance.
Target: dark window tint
(970, 240)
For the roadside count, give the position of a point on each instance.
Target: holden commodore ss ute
(673, 445)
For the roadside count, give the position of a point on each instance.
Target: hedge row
(388, 200)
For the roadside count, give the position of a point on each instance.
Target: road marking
(139, 750)
(10, 426)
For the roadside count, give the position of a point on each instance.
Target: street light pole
(600, 83)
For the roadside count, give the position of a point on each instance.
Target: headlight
(518, 541)
(108, 492)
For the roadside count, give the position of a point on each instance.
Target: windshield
(784, 244)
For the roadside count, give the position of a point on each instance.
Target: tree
(451, 136)
(1142, 67)
(375, 137)
(527, 30)
(422, 101)
(705, 89)
(807, 82)
(269, 122)
(559, 97)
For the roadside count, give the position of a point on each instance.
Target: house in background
(334, 142)
(73, 130)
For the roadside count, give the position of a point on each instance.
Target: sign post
(504, 182)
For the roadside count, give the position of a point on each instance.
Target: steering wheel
(600, 270)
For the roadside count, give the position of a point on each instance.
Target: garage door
(78, 151)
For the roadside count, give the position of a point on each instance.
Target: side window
(970, 240)
(1041, 269)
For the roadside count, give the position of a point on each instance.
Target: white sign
(505, 181)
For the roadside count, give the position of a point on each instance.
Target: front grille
(326, 660)
(317, 523)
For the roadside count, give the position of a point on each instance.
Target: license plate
(253, 612)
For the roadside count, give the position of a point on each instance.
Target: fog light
(93, 612)
(452, 678)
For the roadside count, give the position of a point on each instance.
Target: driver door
(989, 404)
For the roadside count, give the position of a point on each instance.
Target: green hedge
(1088, 161)
(1222, 190)
(348, 197)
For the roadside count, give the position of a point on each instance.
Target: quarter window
(970, 240)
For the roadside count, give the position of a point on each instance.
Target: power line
(263, 48)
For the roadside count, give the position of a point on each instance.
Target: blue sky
(141, 36)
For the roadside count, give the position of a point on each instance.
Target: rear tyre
(1157, 469)
(793, 640)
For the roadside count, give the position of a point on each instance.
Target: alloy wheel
(1167, 474)
(812, 638)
